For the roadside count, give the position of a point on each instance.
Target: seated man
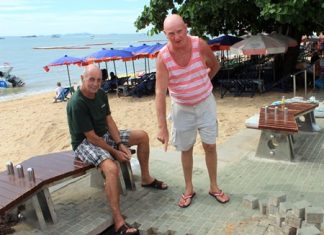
(110, 84)
(96, 140)
(59, 93)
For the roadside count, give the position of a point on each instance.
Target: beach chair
(123, 86)
(145, 87)
(64, 94)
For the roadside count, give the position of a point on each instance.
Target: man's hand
(163, 137)
(123, 154)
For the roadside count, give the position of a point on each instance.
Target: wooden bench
(278, 128)
(50, 169)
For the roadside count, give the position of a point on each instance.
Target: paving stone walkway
(83, 210)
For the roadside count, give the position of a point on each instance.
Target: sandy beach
(34, 125)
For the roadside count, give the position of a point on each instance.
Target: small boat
(7, 80)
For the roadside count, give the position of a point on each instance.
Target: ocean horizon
(29, 54)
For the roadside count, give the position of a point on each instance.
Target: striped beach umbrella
(260, 45)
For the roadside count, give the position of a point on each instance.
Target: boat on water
(8, 80)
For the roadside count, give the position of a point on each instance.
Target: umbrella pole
(106, 66)
(116, 79)
(67, 67)
(115, 67)
(148, 65)
(145, 64)
(134, 68)
(126, 69)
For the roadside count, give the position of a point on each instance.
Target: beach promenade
(84, 210)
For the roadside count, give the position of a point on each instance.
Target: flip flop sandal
(218, 195)
(155, 184)
(123, 230)
(185, 198)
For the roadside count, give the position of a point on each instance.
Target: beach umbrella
(260, 45)
(65, 60)
(290, 42)
(223, 42)
(151, 51)
(110, 55)
(135, 49)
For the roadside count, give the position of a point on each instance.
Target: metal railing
(305, 78)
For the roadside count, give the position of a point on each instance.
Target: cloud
(25, 17)
(22, 5)
(93, 21)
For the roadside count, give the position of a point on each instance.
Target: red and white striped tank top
(191, 84)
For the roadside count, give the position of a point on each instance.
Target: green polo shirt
(86, 114)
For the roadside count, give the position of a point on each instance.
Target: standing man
(185, 66)
(96, 140)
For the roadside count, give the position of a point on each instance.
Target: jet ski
(8, 80)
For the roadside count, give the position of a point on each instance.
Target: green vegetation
(214, 17)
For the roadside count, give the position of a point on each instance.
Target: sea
(29, 54)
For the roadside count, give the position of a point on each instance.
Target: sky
(46, 17)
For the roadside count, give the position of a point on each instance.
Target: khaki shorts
(188, 120)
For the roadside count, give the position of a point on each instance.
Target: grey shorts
(93, 154)
(188, 120)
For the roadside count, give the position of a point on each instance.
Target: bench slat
(278, 122)
(62, 165)
(14, 182)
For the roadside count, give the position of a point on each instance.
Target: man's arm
(122, 154)
(94, 139)
(210, 58)
(162, 80)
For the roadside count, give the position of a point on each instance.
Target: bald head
(175, 30)
(91, 81)
(173, 20)
(90, 69)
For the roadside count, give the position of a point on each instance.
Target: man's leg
(110, 170)
(141, 139)
(187, 164)
(211, 163)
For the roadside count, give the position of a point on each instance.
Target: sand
(34, 125)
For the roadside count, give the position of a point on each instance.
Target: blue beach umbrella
(65, 60)
(223, 42)
(135, 49)
(150, 51)
(110, 55)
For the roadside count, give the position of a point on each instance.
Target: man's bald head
(176, 31)
(91, 80)
(172, 21)
(91, 68)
